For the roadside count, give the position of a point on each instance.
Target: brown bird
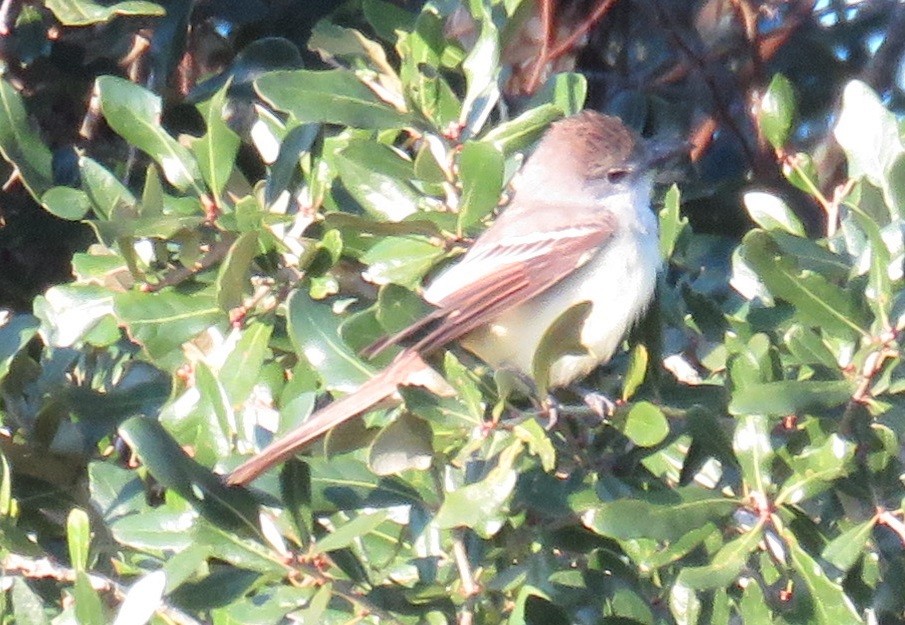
(578, 229)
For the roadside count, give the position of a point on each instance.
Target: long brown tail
(375, 390)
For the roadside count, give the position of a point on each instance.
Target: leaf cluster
(749, 472)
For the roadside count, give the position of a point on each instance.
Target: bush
(251, 237)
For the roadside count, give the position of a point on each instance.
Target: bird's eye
(615, 176)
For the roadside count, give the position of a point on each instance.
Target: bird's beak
(661, 151)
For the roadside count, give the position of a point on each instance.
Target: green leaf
(665, 516)
(335, 97)
(807, 346)
(565, 90)
(482, 506)
(162, 322)
(295, 489)
(672, 223)
(753, 608)
(406, 443)
(216, 150)
(481, 174)
(145, 596)
(401, 260)
(15, 333)
(562, 338)
(815, 467)
(68, 312)
(169, 464)
(818, 301)
(379, 179)
(78, 538)
(849, 546)
(66, 203)
(481, 68)
(831, 604)
(777, 110)
(21, 145)
(684, 604)
(27, 606)
(386, 18)
(241, 552)
(868, 133)
(634, 374)
(645, 425)
(753, 451)
(107, 194)
(879, 292)
(538, 440)
(521, 132)
(348, 44)
(314, 331)
(86, 12)
(726, 564)
(347, 533)
(788, 397)
(770, 212)
(232, 278)
(238, 375)
(88, 607)
(134, 113)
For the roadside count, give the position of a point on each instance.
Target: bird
(578, 229)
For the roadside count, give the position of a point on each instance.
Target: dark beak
(662, 151)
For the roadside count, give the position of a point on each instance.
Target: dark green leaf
(404, 444)
(295, 488)
(134, 114)
(831, 605)
(817, 300)
(88, 607)
(662, 516)
(401, 260)
(66, 203)
(27, 606)
(86, 12)
(770, 212)
(216, 150)
(726, 564)
(169, 464)
(645, 424)
(346, 534)
(481, 175)
(15, 334)
(21, 145)
(777, 110)
(845, 550)
(162, 322)
(335, 97)
(232, 278)
(790, 397)
(314, 331)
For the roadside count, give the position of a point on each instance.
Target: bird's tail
(407, 368)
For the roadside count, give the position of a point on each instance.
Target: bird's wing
(501, 274)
